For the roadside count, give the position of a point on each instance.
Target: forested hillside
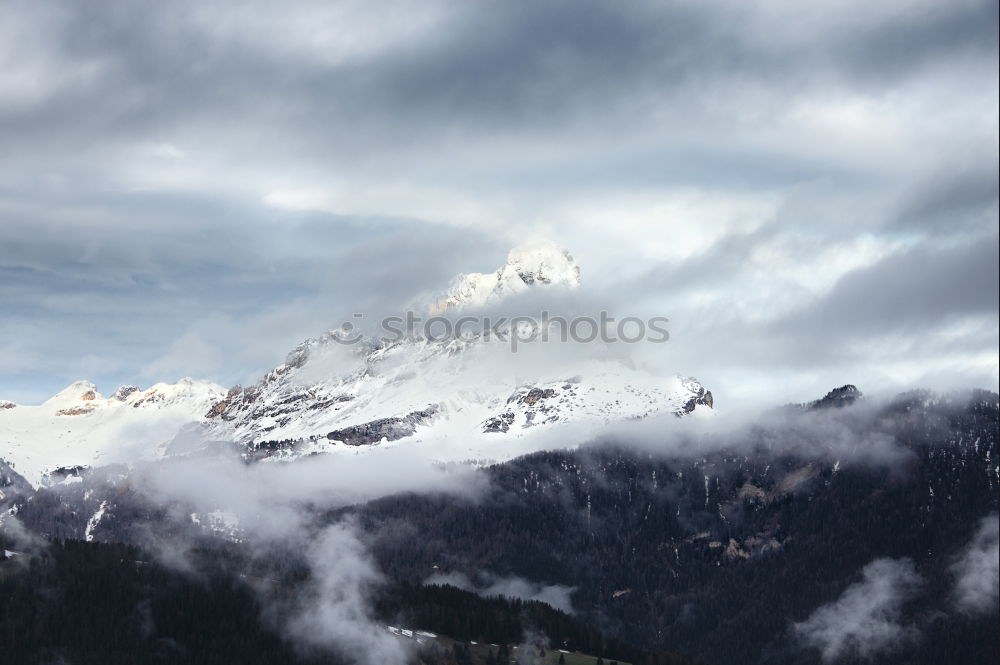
(717, 556)
(730, 551)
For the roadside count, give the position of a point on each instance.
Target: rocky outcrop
(122, 393)
(75, 411)
(232, 397)
(699, 396)
(499, 424)
(534, 395)
(389, 429)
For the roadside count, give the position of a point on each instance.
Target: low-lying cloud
(487, 584)
(281, 507)
(334, 612)
(976, 576)
(272, 499)
(865, 620)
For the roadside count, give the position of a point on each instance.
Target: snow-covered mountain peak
(82, 397)
(541, 263)
(79, 427)
(186, 390)
(123, 392)
(343, 391)
(532, 265)
(331, 395)
(77, 393)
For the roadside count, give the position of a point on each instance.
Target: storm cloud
(808, 192)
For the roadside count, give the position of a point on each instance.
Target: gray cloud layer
(809, 192)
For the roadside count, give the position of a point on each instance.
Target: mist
(865, 620)
(976, 584)
(277, 511)
(488, 584)
(334, 612)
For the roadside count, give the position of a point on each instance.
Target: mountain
(419, 389)
(333, 396)
(329, 395)
(78, 427)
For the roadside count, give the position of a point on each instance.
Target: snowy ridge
(415, 387)
(79, 427)
(536, 265)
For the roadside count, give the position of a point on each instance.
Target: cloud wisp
(976, 577)
(865, 620)
(334, 612)
(277, 511)
(488, 584)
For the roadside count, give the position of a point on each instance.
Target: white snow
(94, 520)
(528, 266)
(220, 522)
(79, 427)
(467, 383)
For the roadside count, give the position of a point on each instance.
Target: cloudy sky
(807, 190)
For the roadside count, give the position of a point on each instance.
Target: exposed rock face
(219, 408)
(704, 397)
(75, 411)
(735, 551)
(64, 472)
(499, 423)
(4, 404)
(389, 429)
(122, 393)
(796, 479)
(535, 394)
